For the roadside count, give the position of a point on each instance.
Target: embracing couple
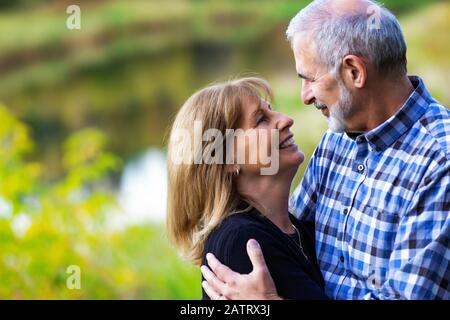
(370, 218)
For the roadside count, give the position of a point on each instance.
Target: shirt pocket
(371, 236)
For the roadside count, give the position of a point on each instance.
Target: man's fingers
(212, 294)
(214, 282)
(222, 272)
(256, 256)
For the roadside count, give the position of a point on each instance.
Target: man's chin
(336, 125)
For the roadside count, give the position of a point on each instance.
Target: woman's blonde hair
(201, 196)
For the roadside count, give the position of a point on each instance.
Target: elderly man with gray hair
(378, 185)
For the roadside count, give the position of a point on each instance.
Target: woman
(218, 206)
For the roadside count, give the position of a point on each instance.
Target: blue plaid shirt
(381, 204)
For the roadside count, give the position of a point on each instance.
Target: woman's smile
(288, 143)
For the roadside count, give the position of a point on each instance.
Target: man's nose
(307, 95)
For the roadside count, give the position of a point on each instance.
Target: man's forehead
(304, 48)
(305, 62)
(303, 41)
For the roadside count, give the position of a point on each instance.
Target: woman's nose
(284, 122)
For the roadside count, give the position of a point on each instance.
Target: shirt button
(342, 258)
(345, 211)
(360, 167)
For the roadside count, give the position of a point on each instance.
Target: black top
(296, 276)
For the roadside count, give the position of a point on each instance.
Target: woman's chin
(294, 157)
(301, 157)
(292, 162)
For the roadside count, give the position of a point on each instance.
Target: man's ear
(354, 71)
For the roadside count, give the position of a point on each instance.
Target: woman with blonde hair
(216, 205)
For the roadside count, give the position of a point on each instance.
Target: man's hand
(222, 283)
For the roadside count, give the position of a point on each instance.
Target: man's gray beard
(340, 111)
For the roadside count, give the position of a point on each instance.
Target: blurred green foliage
(46, 227)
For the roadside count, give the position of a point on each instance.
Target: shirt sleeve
(291, 280)
(419, 265)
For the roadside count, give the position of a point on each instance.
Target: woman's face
(259, 122)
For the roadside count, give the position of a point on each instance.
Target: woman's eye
(260, 120)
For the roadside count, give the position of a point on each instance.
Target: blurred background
(84, 118)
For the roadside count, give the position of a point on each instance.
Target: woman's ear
(354, 71)
(233, 169)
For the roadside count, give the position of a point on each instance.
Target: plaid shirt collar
(389, 131)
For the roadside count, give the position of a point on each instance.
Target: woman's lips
(290, 147)
(288, 142)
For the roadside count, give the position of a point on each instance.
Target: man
(378, 184)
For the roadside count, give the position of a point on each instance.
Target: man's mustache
(320, 105)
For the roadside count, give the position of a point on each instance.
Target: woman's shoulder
(238, 229)
(241, 223)
(228, 241)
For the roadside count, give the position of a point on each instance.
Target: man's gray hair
(374, 34)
